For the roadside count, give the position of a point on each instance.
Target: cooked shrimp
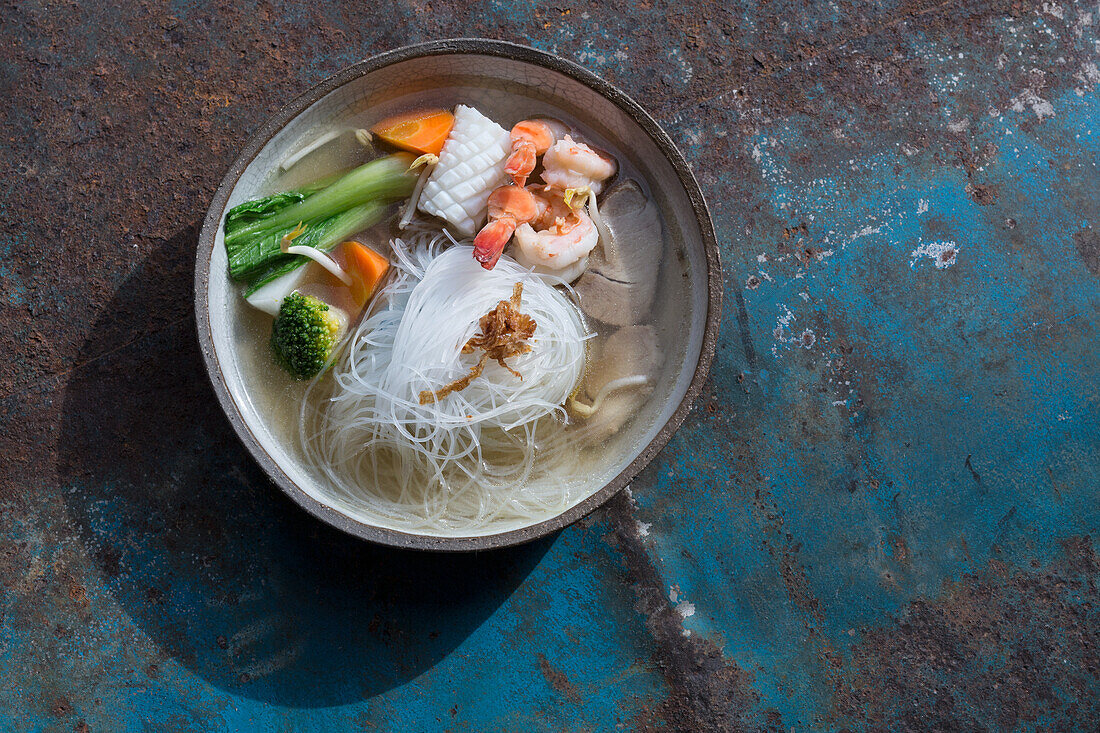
(530, 139)
(564, 242)
(509, 206)
(571, 164)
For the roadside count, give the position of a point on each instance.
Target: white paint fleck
(1089, 73)
(642, 528)
(1084, 20)
(866, 231)
(959, 125)
(782, 322)
(922, 206)
(685, 609)
(840, 403)
(1054, 9)
(686, 70)
(674, 593)
(1063, 416)
(1028, 98)
(761, 258)
(943, 254)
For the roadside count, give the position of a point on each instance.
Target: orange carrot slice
(424, 131)
(367, 268)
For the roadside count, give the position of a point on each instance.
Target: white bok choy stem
(429, 162)
(313, 253)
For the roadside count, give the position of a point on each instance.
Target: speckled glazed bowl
(489, 75)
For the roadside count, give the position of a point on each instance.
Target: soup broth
(586, 457)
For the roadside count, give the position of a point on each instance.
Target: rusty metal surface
(881, 515)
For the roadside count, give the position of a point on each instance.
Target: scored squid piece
(471, 166)
(621, 279)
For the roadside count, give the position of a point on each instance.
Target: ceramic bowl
(490, 75)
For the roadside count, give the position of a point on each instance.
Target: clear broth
(279, 398)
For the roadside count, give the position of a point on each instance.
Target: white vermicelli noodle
(487, 458)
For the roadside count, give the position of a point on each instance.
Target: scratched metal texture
(882, 514)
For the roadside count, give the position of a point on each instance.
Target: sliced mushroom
(630, 352)
(621, 279)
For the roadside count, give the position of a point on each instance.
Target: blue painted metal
(881, 515)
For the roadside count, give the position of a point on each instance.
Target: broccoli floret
(304, 334)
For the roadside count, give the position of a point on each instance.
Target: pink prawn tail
(521, 162)
(490, 241)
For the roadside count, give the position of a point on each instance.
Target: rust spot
(77, 593)
(801, 230)
(557, 679)
(779, 544)
(81, 727)
(1087, 242)
(901, 550)
(809, 254)
(1003, 648)
(983, 194)
(753, 282)
(61, 707)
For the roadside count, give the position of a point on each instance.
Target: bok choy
(254, 230)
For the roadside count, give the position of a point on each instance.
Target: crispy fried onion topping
(504, 334)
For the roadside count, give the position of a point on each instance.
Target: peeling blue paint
(887, 493)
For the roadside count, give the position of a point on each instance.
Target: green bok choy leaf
(254, 230)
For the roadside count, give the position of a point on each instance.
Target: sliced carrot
(367, 268)
(423, 131)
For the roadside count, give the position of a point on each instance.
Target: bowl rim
(465, 46)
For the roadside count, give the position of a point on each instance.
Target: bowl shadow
(215, 564)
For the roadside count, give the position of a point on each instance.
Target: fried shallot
(504, 334)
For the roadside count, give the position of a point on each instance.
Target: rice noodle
(467, 463)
